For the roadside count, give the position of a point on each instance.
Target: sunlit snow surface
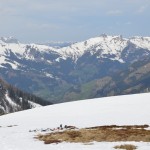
(120, 110)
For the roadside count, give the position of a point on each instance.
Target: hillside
(132, 80)
(12, 99)
(54, 72)
(120, 110)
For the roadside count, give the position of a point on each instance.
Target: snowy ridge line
(104, 43)
(109, 45)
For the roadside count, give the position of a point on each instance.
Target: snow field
(118, 110)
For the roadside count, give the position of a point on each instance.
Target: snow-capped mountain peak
(9, 40)
(104, 43)
(141, 42)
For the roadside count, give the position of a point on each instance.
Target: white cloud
(114, 12)
(142, 9)
(128, 23)
(43, 26)
(7, 11)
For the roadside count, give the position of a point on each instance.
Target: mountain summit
(9, 40)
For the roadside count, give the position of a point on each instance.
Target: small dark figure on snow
(61, 126)
(65, 126)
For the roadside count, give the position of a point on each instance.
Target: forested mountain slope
(12, 99)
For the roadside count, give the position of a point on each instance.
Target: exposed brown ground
(126, 147)
(100, 133)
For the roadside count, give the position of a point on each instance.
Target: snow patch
(34, 105)
(11, 102)
(48, 75)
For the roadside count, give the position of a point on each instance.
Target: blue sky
(73, 20)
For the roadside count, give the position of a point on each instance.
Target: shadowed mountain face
(13, 99)
(132, 80)
(73, 72)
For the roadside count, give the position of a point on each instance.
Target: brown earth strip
(126, 147)
(100, 134)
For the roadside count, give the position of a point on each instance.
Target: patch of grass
(100, 134)
(73, 134)
(126, 147)
(51, 141)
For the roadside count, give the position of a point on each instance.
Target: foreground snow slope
(120, 110)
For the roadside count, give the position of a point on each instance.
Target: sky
(73, 20)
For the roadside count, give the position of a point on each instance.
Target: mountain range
(101, 66)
